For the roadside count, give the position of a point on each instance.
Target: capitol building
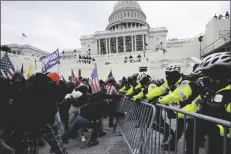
(127, 31)
(129, 45)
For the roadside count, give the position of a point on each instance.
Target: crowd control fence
(155, 129)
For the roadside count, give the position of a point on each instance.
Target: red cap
(54, 76)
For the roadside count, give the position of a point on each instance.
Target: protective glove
(138, 101)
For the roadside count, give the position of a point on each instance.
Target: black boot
(93, 143)
(102, 133)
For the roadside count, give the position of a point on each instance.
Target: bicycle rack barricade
(146, 127)
(135, 126)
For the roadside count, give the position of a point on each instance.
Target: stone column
(124, 44)
(143, 42)
(116, 44)
(132, 43)
(99, 47)
(147, 42)
(135, 43)
(109, 44)
(106, 46)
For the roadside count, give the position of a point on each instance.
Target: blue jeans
(78, 123)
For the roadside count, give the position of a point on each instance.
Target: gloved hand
(171, 114)
(130, 97)
(138, 101)
(150, 101)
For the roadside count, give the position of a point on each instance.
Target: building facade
(26, 50)
(127, 31)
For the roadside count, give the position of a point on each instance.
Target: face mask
(211, 83)
(172, 77)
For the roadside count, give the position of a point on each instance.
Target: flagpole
(59, 61)
(0, 60)
(22, 39)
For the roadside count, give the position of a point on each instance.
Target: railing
(139, 118)
(216, 44)
(122, 30)
(145, 125)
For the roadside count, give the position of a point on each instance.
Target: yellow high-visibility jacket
(139, 95)
(181, 93)
(193, 107)
(138, 86)
(164, 88)
(130, 91)
(228, 109)
(123, 89)
(151, 87)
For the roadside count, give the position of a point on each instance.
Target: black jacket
(6, 113)
(37, 104)
(82, 99)
(96, 106)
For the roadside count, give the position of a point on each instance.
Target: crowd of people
(45, 108)
(227, 16)
(207, 90)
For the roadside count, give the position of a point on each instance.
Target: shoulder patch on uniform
(183, 83)
(218, 98)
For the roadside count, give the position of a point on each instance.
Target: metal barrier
(145, 125)
(136, 126)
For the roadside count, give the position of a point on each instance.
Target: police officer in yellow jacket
(142, 83)
(135, 87)
(173, 79)
(215, 93)
(122, 90)
(145, 87)
(191, 104)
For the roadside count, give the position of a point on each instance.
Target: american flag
(111, 90)
(7, 69)
(24, 35)
(94, 81)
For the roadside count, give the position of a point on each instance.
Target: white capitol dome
(126, 4)
(126, 12)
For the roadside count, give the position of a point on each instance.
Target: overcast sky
(49, 25)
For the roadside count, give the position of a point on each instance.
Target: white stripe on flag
(4, 75)
(95, 85)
